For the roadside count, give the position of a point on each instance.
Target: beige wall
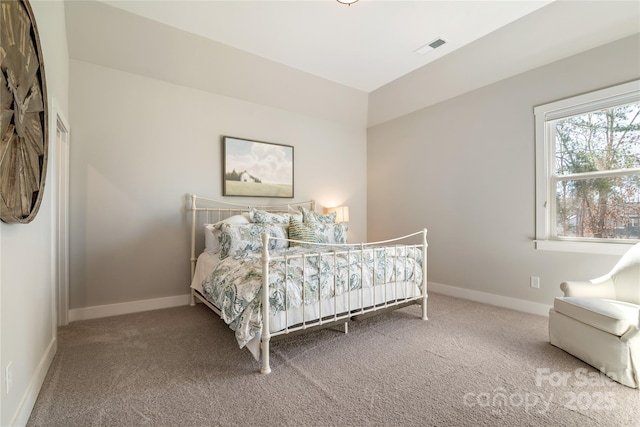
(26, 286)
(464, 168)
(140, 145)
(146, 47)
(149, 105)
(558, 30)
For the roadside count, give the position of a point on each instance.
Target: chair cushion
(614, 317)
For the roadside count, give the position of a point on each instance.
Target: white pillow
(296, 213)
(212, 231)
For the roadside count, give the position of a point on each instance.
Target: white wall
(464, 168)
(26, 285)
(140, 145)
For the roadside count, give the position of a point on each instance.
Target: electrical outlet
(535, 282)
(9, 376)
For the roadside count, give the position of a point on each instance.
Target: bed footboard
(336, 318)
(424, 274)
(266, 335)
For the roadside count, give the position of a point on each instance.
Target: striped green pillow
(301, 231)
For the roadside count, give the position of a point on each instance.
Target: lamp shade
(342, 213)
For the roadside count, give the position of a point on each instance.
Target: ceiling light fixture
(347, 2)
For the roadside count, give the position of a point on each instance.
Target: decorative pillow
(237, 239)
(212, 231)
(268, 217)
(296, 213)
(330, 233)
(301, 231)
(311, 216)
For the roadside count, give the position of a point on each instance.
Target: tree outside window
(588, 167)
(597, 189)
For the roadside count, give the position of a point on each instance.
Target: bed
(274, 270)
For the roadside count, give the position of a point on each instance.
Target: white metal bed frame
(217, 213)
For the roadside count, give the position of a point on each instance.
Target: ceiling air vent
(430, 46)
(437, 43)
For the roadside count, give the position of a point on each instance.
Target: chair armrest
(588, 289)
(632, 334)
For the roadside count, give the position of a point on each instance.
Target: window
(588, 169)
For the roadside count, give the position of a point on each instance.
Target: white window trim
(615, 95)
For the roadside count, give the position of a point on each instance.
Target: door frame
(60, 135)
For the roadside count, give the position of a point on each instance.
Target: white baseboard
(167, 302)
(491, 299)
(127, 307)
(21, 416)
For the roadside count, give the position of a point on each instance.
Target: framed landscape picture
(256, 169)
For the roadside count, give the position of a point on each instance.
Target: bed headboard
(209, 211)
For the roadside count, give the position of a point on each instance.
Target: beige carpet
(469, 365)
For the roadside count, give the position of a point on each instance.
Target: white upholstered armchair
(598, 321)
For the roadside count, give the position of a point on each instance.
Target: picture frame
(256, 168)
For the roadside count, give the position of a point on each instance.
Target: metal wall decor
(23, 114)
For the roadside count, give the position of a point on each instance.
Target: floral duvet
(235, 284)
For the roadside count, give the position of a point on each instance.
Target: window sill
(583, 247)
